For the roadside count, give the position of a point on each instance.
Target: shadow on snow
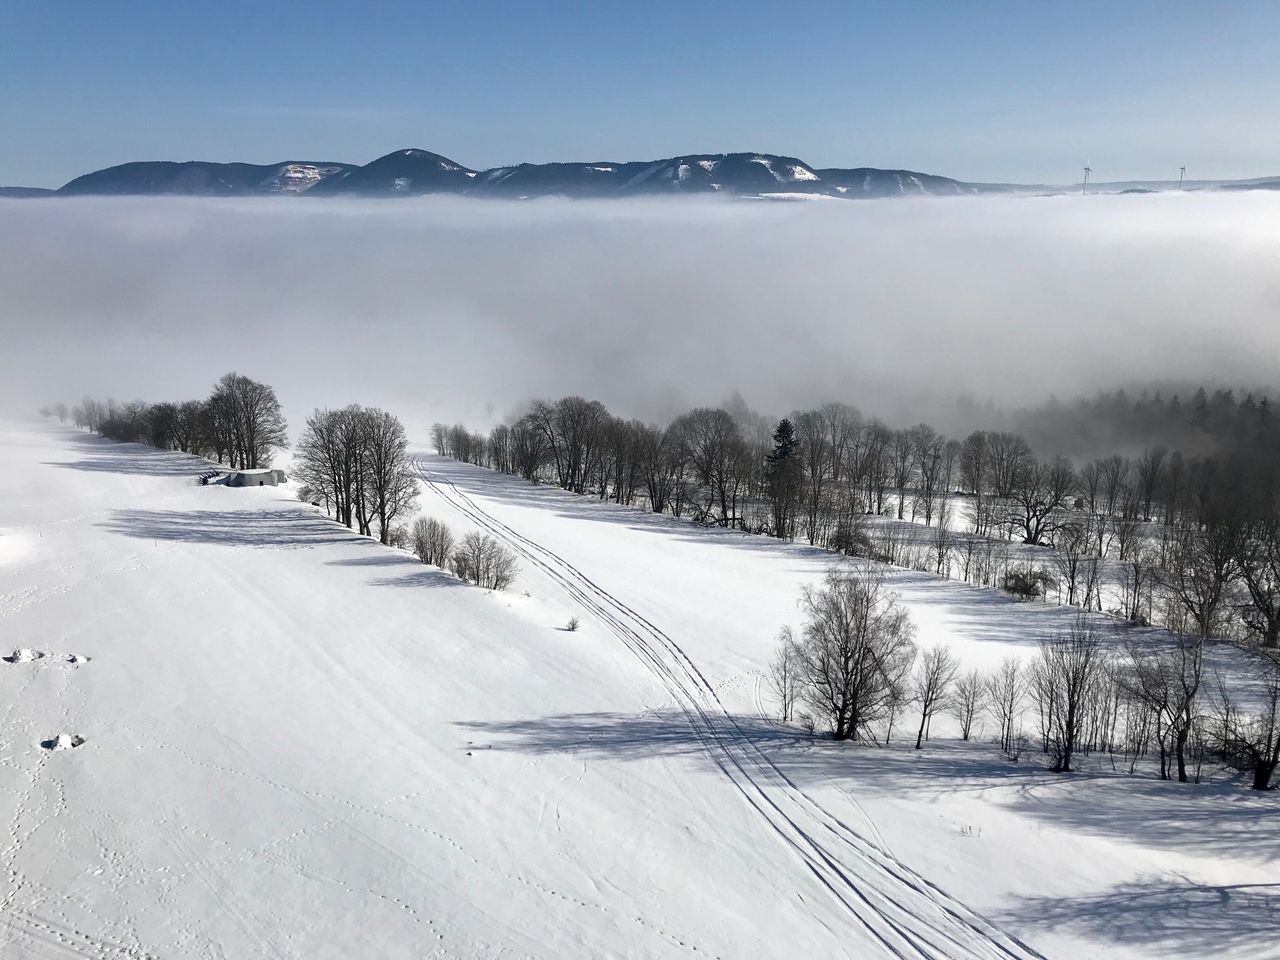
(237, 528)
(110, 456)
(1217, 819)
(1185, 919)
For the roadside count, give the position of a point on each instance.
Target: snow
(294, 737)
(790, 195)
(297, 177)
(768, 165)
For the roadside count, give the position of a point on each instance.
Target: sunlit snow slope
(297, 743)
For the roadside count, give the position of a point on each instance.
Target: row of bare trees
(478, 558)
(854, 668)
(240, 423)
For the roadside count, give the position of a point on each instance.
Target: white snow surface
(303, 744)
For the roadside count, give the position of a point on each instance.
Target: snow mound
(63, 741)
(77, 658)
(24, 655)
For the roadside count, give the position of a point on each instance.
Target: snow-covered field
(298, 743)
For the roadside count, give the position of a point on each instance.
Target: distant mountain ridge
(415, 172)
(199, 178)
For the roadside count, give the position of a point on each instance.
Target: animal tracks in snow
(63, 741)
(27, 655)
(24, 655)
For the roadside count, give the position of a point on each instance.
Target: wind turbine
(1084, 187)
(1182, 172)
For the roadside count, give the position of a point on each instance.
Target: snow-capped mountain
(733, 173)
(404, 172)
(299, 177)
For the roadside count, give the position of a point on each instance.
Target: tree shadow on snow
(134, 465)
(1168, 919)
(629, 736)
(1218, 819)
(236, 528)
(420, 577)
(134, 459)
(413, 573)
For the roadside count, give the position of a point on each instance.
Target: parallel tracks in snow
(901, 911)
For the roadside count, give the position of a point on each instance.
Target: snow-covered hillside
(298, 743)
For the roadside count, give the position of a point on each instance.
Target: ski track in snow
(908, 916)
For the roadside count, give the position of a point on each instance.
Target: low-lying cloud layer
(449, 308)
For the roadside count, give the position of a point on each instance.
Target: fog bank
(451, 308)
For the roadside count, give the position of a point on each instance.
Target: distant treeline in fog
(1189, 534)
(1191, 421)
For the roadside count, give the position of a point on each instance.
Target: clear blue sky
(981, 91)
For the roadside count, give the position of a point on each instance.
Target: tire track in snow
(906, 914)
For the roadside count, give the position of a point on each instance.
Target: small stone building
(255, 478)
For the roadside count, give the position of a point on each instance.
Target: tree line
(240, 423)
(353, 462)
(1149, 537)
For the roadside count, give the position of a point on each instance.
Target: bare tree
(1250, 738)
(249, 418)
(937, 671)
(432, 541)
(967, 700)
(1149, 472)
(1199, 569)
(784, 673)
(1063, 679)
(1166, 679)
(902, 463)
(716, 455)
(1075, 561)
(1115, 472)
(1259, 566)
(815, 460)
(1006, 693)
(573, 429)
(1039, 494)
(663, 465)
(855, 650)
(482, 560)
(390, 482)
(1136, 577)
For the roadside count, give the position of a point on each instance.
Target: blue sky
(981, 91)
